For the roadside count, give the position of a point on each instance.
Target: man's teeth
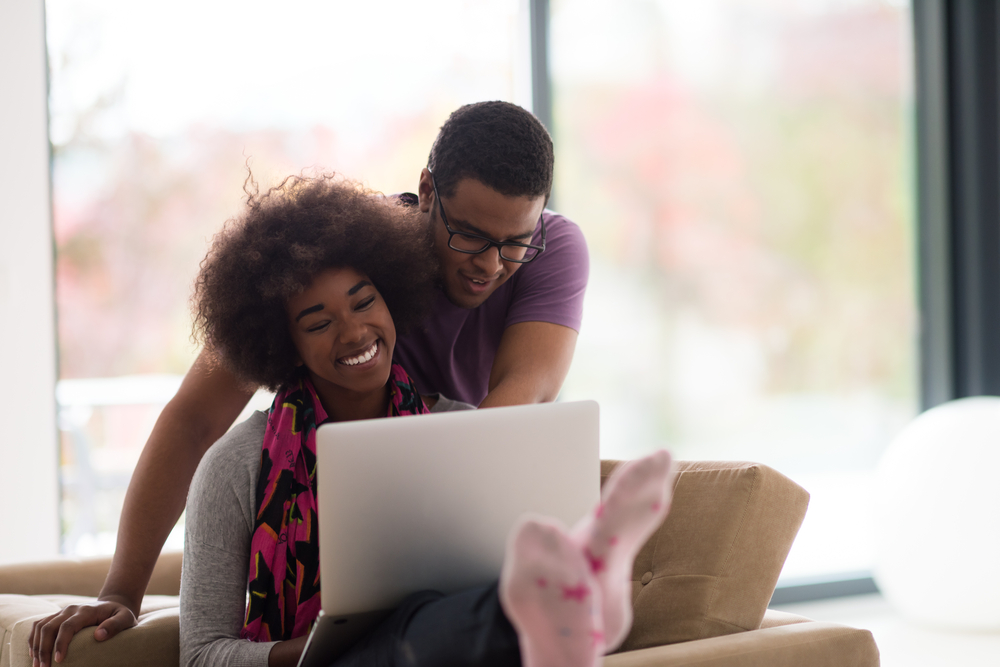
(360, 359)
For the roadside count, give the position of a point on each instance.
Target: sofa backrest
(84, 576)
(711, 568)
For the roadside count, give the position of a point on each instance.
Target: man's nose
(488, 261)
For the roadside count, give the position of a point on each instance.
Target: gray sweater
(218, 527)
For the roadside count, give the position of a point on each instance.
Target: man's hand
(50, 637)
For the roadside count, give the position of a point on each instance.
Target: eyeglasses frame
(489, 242)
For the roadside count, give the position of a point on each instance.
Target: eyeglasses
(473, 244)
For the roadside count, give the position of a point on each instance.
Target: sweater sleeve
(218, 528)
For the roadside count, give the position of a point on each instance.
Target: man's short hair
(497, 143)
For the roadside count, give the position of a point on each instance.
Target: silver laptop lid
(426, 502)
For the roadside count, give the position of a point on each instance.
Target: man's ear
(425, 190)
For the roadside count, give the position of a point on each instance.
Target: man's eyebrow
(475, 230)
(310, 309)
(354, 290)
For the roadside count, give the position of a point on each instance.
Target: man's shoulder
(560, 223)
(551, 288)
(562, 236)
(565, 248)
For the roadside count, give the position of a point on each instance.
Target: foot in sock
(551, 597)
(634, 502)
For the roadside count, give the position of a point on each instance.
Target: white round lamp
(938, 510)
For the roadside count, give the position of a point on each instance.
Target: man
(502, 332)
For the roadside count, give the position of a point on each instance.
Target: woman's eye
(318, 327)
(367, 302)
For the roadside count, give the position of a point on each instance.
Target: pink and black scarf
(284, 550)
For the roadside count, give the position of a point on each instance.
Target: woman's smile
(366, 358)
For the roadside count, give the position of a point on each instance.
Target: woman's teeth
(361, 358)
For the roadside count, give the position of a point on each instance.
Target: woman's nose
(353, 331)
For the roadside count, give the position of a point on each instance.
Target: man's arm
(207, 403)
(531, 364)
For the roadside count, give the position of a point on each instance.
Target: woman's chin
(354, 383)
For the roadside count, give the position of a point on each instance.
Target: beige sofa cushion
(711, 567)
(802, 644)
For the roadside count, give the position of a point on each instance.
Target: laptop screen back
(426, 502)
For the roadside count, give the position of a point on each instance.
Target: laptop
(426, 502)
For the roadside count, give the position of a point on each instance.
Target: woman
(296, 295)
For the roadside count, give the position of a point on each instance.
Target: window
(154, 116)
(743, 172)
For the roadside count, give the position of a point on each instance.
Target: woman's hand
(286, 653)
(49, 637)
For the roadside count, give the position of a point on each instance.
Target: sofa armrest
(74, 576)
(793, 645)
(154, 642)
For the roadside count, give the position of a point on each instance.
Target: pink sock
(634, 502)
(551, 597)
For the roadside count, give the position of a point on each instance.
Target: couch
(700, 588)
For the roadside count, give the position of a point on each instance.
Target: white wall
(29, 490)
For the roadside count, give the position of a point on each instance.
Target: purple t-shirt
(452, 351)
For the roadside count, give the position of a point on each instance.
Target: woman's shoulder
(445, 404)
(240, 445)
(231, 466)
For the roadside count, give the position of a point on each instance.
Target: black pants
(429, 629)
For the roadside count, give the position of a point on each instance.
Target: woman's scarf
(284, 549)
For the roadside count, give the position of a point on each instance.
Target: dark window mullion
(958, 165)
(975, 176)
(934, 238)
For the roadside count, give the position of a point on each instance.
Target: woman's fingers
(50, 637)
(121, 618)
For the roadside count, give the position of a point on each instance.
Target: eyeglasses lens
(516, 253)
(474, 244)
(467, 243)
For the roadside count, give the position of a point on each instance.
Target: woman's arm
(207, 403)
